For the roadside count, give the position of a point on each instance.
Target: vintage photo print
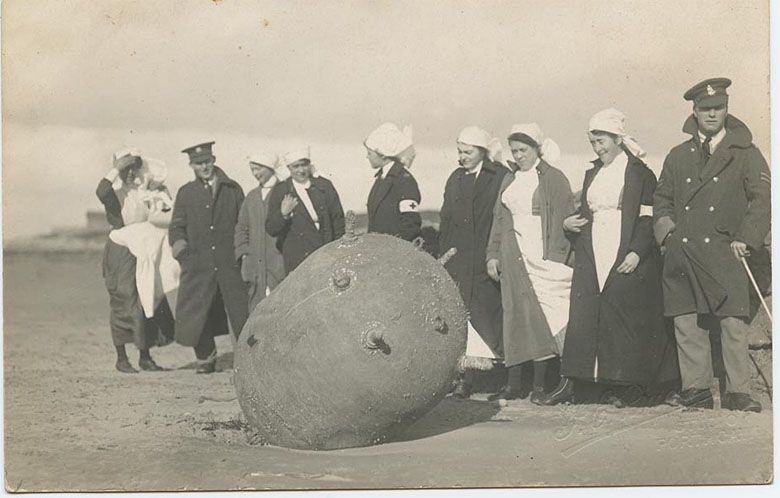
(350, 245)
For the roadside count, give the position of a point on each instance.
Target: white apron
(551, 280)
(604, 198)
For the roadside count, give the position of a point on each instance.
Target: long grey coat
(527, 335)
(263, 263)
(207, 222)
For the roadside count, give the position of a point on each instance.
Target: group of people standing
(212, 255)
(592, 281)
(625, 284)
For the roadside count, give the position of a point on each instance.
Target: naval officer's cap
(709, 93)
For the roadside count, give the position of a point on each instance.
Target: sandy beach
(74, 423)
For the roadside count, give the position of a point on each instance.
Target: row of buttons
(714, 179)
(710, 209)
(706, 240)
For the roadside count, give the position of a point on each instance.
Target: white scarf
(301, 189)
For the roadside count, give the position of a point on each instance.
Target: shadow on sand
(224, 363)
(449, 415)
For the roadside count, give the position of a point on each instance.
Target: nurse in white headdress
(394, 200)
(528, 253)
(466, 218)
(135, 317)
(616, 336)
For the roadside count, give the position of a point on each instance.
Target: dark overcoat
(706, 207)
(206, 219)
(618, 334)
(263, 262)
(527, 335)
(298, 236)
(466, 219)
(385, 203)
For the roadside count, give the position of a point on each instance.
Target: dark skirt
(126, 318)
(619, 335)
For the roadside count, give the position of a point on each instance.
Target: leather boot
(562, 394)
(149, 365)
(537, 396)
(206, 367)
(740, 402)
(124, 366)
(461, 390)
(506, 394)
(692, 397)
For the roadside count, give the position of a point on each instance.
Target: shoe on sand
(740, 402)
(537, 396)
(564, 393)
(124, 366)
(506, 394)
(461, 391)
(207, 368)
(692, 397)
(150, 366)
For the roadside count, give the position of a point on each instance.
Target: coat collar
(737, 132)
(316, 182)
(541, 168)
(488, 166)
(222, 177)
(737, 136)
(632, 161)
(396, 169)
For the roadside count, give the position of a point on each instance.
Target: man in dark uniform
(394, 200)
(201, 236)
(711, 208)
(466, 218)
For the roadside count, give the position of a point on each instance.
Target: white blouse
(606, 190)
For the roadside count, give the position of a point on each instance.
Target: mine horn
(447, 256)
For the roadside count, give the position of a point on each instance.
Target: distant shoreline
(86, 239)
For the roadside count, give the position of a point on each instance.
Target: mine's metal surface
(360, 340)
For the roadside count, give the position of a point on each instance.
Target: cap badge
(710, 90)
(198, 149)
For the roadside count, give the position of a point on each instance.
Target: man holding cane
(711, 206)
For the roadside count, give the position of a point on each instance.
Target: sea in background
(50, 172)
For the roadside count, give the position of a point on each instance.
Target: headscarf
(548, 149)
(126, 151)
(127, 157)
(476, 136)
(389, 141)
(267, 159)
(613, 121)
(296, 155)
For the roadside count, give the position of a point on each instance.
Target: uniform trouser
(206, 349)
(694, 353)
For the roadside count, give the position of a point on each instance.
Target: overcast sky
(330, 71)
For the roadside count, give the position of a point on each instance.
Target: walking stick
(755, 286)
